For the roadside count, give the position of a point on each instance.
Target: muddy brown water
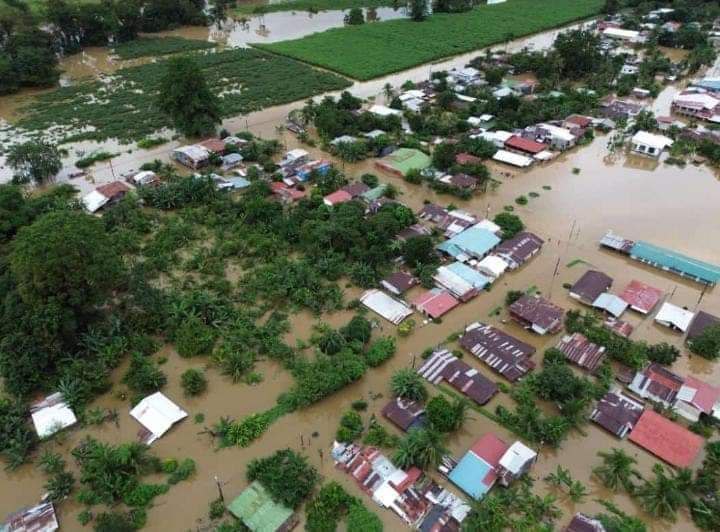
(637, 197)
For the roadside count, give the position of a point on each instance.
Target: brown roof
(584, 523)
(404, 414)
(591, 285)
(582, 352)
(524, 145)
(520, 247)
(617, 413)
(213, 145)
(433, 212)
(113, 190)
(463, 181)
(356, 188)
(401, 281)
(582, 121)
(466, 158)
(536, 310)
(40, 518)
(700, 322)
(505, 354)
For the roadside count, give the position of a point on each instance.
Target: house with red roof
(524, 146)
(696, 398)
(641, 297)
(477, 471)
(435, 303)
(667, 440)
(658, 384)
(337, 197)
(285, 193)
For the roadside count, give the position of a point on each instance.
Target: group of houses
(412, 495)
(475, 257)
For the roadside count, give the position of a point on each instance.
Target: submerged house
(617, 413)
(658, 384)
(399, 282)
(105, 195)
(504, 354)
(641, 297)
(382, 304)
(444, 366)
(405, 415)
(404, 160)
(473, 243)
(435, 303)
(584, 523)
(674, 317)
(38, 518)
(667, 440)
(516, 462)
(698, 398)
(192, 156)
(51, 415)
(650, 144)
(590, 286)
(157, 414)
(460, 280)
(477, 471)
(519, 249)
(582, 352)
(537, 314)
(677, 263)
(700, 322)
(258, 511)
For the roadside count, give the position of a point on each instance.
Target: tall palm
(460, 412)
(388, 91)
(429, 449)
(406, 383)
(664, 495)
(617, 470)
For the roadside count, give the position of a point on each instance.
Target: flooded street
(637, 197)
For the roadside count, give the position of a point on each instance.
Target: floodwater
(636, 197)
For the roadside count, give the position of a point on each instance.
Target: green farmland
(309, 5)
(157, 46)
(373, 50)
(246, 80)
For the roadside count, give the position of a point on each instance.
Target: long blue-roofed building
(473, 243)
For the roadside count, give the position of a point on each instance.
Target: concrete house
(650, 144)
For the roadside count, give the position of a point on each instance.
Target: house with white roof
(382, 304)
(650, 144)
(51, 415)
(516, 461)
(492, 266)
(674, 317)
(157, 414)
(560, 138)
(383, 111)
(697, 103)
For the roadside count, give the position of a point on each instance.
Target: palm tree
(423, 448)
(388, 92)
(406, 383)
(617, 470)
(577, 491)
(561, 477)
(664, 495)
(459, 411)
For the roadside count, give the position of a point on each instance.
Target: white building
(513, 159)
(620, 34)
(156, 413)
(674, 317)
(382, 304)
(650, 144)
(560, 138)
(51, 415)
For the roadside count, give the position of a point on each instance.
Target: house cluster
(411, 495)
(489, 461)
(664, 259)
(475, 258)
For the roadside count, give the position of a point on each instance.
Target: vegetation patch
(372, 50)
(311, 6)
(125, 108)
(96, 157)
(155, 46)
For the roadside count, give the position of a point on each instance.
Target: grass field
(155, 46)
(246, 80)
(373, 50)
(311, 5)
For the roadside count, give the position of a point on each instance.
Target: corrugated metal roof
(676, 262)
(668, 441)
(257, 510)
(473, 241)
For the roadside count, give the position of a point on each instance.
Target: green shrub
(194, 338)
(286, 475)
(193, 382)
(351, 427)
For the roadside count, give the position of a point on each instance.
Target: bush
(378, 436)
(286, 475)
(406, 327)
(194, 338)
(381, 350)
(351, 427)
(707, 344)
(143, 376)
(512, 296)
(510, 224)
(217, 509)
(406, 383)
(193, 382)
(663, 353)
(521, 200)
(359, 405)
(184, 471)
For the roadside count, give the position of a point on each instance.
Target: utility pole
(219, 487)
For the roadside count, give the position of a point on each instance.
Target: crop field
(156, 46)
(123, 106)
(373, 50)
(310, 5)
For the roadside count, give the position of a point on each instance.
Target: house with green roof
(260, 513)
(403, 160)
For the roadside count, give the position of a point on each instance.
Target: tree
(423, 448)
(512, 296)
(663, 353)
(443, 156)
(579, 51)
(664, 495)
(186, 98)
(418, 251)
(143, 376)
(645, 120)
(511, 224)
(406, 383)
(617, 470)
(357, 329)
(707, 343)
(286, 475)
(445, 416)
(351, 427)
(35, 160)
(618, 521)
(354, 17)
(418, 10)
(193, 381)
(65, 258)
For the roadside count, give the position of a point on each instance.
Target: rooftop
(505, 354)
(702, 321)
(258, 511)
(582, 352)
(641, 297)
(538, 312)
(668, 441)
(591, 285)
(701, 271)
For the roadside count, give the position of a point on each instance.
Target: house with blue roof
(672, 261)
(477, 471)
(709, 84)
(471, 275)
(473, 243)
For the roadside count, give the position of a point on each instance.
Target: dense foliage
(331, 504)
(286, 475)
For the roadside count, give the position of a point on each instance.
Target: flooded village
(474, 294)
